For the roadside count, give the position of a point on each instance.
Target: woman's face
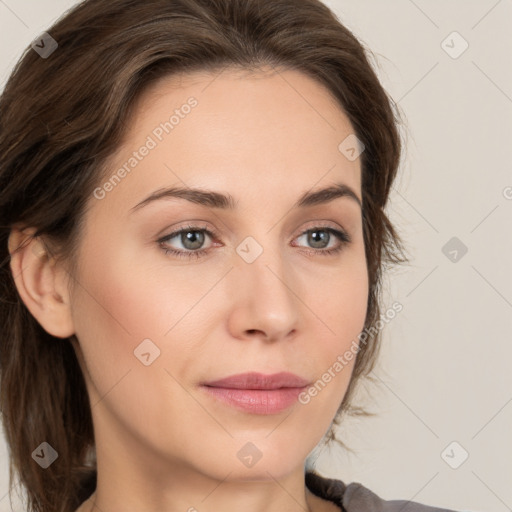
(244, 288)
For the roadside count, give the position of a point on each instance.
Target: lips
(255, 380)
(256, 393)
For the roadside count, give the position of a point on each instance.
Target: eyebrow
(213, 199)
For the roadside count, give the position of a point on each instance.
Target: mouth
(257, 393)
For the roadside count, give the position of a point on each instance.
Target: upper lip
(255, 380)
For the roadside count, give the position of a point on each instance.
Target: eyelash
(342, 236)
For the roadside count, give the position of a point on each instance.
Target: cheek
(122, 302)
(119, 299)
(341, 315)
(112, 316)
(117, 309)
(342, 303)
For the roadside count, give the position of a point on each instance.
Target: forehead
(246, 132)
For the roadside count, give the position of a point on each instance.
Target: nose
(265, 302)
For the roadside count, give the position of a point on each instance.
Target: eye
(192, 239)
(320, 236)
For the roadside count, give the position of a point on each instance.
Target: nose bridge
(262, 261)
(268, 273)
(263, 284)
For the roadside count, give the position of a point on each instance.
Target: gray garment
(354, 497)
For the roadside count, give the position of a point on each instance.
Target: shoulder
(355, 497)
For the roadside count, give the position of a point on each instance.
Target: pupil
(190, 235)
(315, 234)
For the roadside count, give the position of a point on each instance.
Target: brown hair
(55, 139)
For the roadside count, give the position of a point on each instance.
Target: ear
(41, 282)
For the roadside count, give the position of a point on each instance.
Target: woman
(192, 235)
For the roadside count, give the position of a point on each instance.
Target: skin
(162, 443)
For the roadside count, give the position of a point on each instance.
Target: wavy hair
(55, 139)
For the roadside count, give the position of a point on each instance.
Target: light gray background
(444, 374)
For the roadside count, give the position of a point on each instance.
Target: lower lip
(257, 401)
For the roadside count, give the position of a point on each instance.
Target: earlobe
(40, 282)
